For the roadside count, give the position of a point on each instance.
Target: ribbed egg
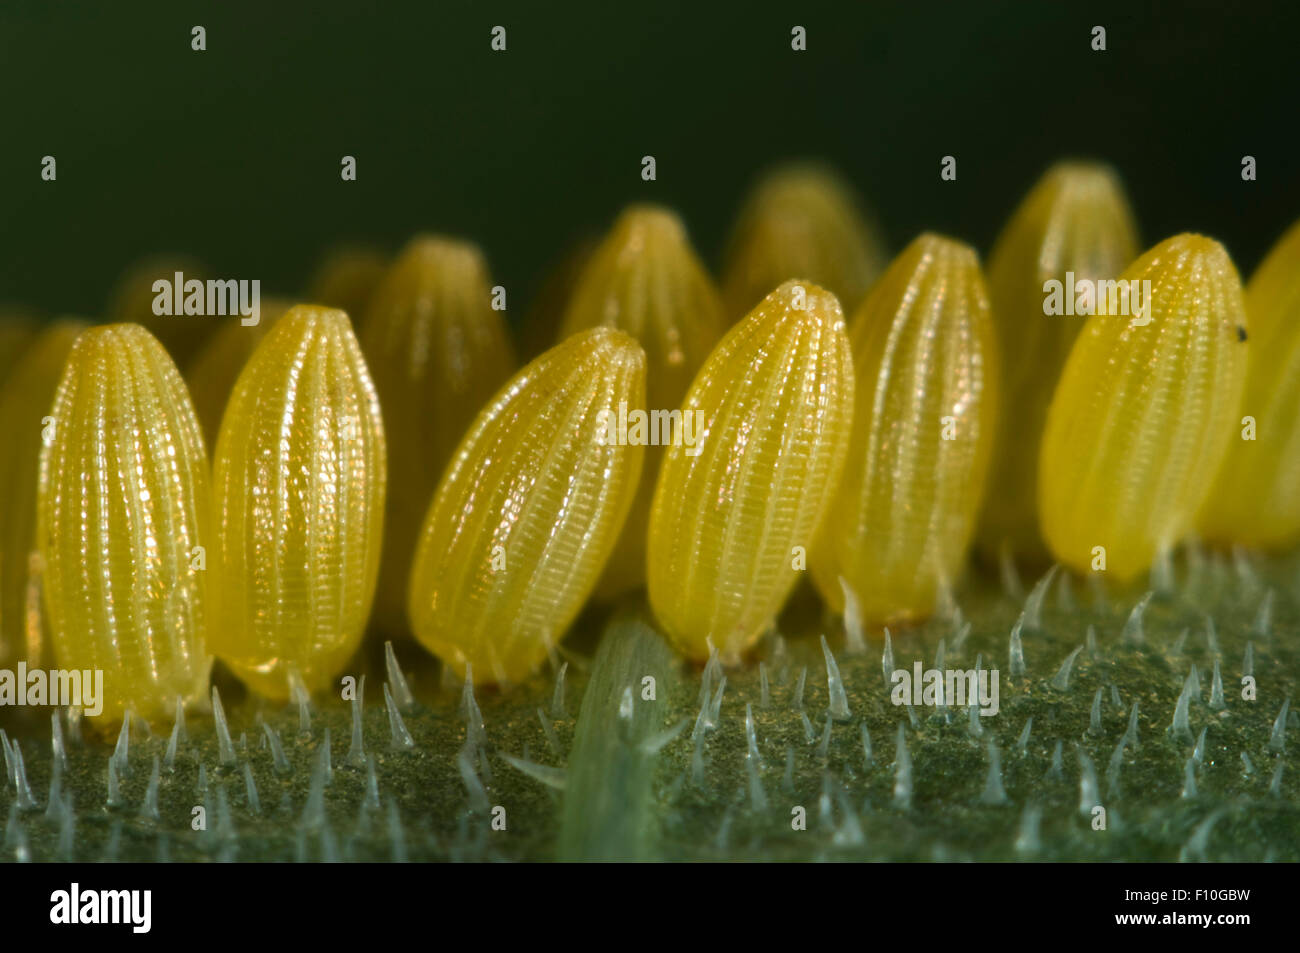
(1145, 410)
(528, 512)
(924, 355)
(123, 524)
(762, 441)
(645, 279)
(299, 479)
(1074, 227)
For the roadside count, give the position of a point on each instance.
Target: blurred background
(233, 154)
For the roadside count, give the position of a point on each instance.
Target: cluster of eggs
(867, 420)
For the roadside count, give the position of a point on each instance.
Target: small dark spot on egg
(1241, 333)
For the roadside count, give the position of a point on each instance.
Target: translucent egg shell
(438, 351)
(346, 279)
(924, 355)
(528, 512)
(299, 478)
(1256, 498)
(741, 492)
(1074, 227)
(646, 280)
(136, 292)
(124, 524)
(1144, 412)
(212, 374)
(801, 221)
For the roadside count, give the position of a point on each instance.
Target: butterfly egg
(25, 399)
(1074, 228)
(540, 328)
(736, 508)
(801, 221)
(177, 284)
(346, 278)
(299, 484)
(212, 374)
(924, 353)
(439, 350)
(1144, 412)
(123, 519)
(646, 280)
(1256, 497)
(529, 510)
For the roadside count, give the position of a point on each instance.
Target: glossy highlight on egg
(211, 375)
(1144, 412)
(527, 514)
(1075, 225)
(438, 350)
(404, 479)
(647, 433)
(924, 355)
(734, 515)
(646, 280)
(299, 482)
(124, 525)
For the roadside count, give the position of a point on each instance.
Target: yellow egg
(299, 485)
(123, 517)
(1256, 498)
(801, 221)
(1145, 410)
(646, 280)
(762, 443)
(134, 296)
(346, 279)
(540, 328)
(438, 351)
(25, 399)
(529, 509)
(212, 374)
(924, 357)
(1074, 226)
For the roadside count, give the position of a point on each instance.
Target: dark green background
(233, 154)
